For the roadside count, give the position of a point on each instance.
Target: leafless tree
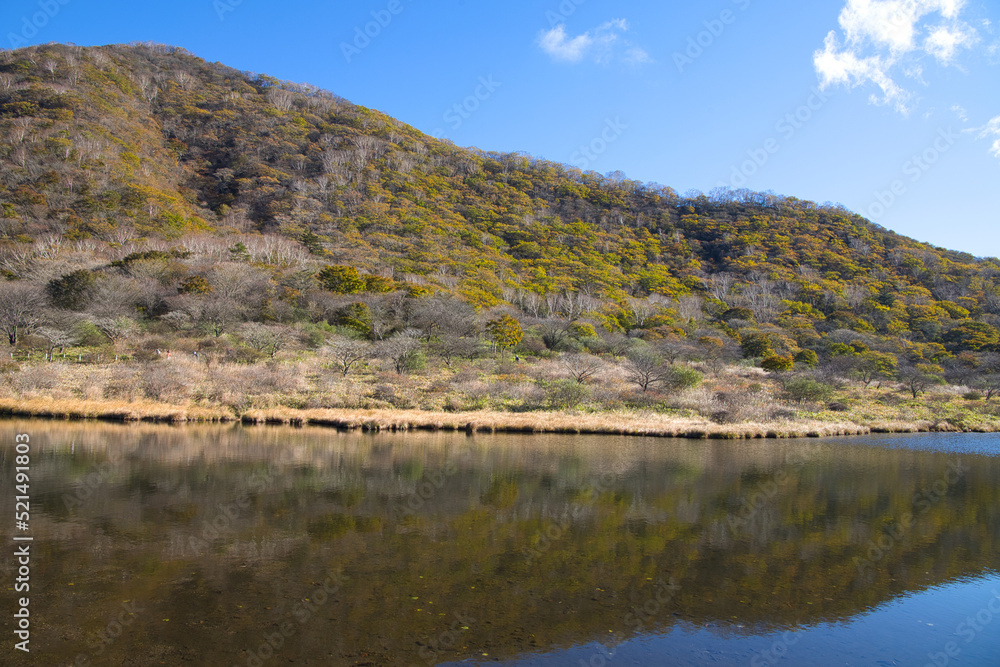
(18, 259)
(57, 337)
(401, 350)
(689, 307)
(855, 295)
(117, 329)
(218, 314)
(185, 80)
(437, 316)
(987, 375)
(116, 296)
(448, 346)
(20, 309)
(19, 129)
(281, 99)
(582, 367)
(554, 332)
(266, 339)
(349, 353)
(641, 310)
(617, 344)
(645, 368)
(671, 349)
(720, 286)
(50, 66)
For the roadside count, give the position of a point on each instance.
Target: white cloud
(603, 44)
(991, 131)
(838, 67)
(880, 36)
(943, 42)
(961, 113)
(559, 46)
(635, 55)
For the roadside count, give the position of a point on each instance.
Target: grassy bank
(739, 402)
(109, 410)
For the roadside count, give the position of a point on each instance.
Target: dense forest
(151, 201)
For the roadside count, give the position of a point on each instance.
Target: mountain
(113, 150)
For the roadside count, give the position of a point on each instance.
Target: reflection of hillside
(622, 515)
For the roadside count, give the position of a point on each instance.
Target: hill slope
(126, 148)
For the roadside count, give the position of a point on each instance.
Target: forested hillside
(146, 195)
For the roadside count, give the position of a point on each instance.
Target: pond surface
(233, 546)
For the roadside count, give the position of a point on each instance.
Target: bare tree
(617, 344)
(350, 353)
(855, 295)
(671, 349)
(689, 307)
(57, 337)
(918, 378)
(554, 332)
(20, 309)
(281, 99)
(720, 286)
(218, 315)
(117, 329)
(644, 368)
(449, 345)
(582, 367)
(641, 311)
(987, 377)
(438, 316)
(401, 350)
(266, 339)
(116, 296)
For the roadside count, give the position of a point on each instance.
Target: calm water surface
(230, 545)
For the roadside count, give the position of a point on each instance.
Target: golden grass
(74, 408)
(612, 422)
(617, 423)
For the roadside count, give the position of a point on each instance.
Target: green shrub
(807, 357)
(756, 345)
(803, 389)
(777, 364)
(565, 394)
(88, 334)
(341, 279)
(71, 291)
(681, 378)
(195, 285)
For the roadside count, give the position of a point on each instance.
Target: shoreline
(637, 423)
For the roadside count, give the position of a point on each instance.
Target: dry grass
(737, 403)
(75, 408)
(617, 423)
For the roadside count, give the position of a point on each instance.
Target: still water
(233, 546)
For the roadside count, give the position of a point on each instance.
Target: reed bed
(616, 423)
(74, 408)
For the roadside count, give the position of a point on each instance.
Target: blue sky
(890, 107)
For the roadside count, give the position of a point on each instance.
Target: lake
(244, 546)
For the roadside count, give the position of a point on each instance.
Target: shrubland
(179, 233)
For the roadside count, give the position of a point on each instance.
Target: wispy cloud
(603, 44)
(991, 131)
(557, 44)
(880, 37)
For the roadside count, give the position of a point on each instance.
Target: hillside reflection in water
(204, 543)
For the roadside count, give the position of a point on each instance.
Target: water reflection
(233, 545)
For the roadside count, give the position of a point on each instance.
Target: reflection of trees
(331, 503)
